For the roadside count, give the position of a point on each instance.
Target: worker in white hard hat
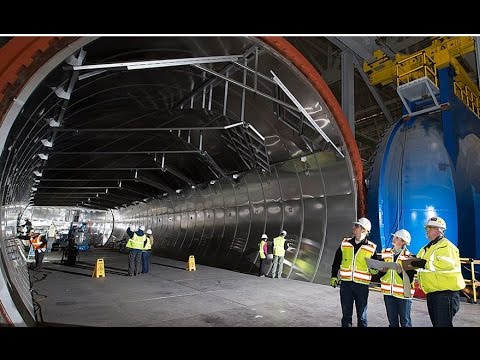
(355, 275)
(280, 245)
(439, 273)
(262, 253)
(147, 249)
(135, 244)
(397, 294)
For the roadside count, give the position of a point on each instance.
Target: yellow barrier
(191, 263)
(99, 270)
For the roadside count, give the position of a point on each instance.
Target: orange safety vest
(37, 242)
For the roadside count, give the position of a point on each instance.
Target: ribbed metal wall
(222, 224)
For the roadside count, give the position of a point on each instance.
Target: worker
(439, 273)
(135, 244)
(279, 247)
(354, 272)
(397, 303)
(52, 235)
(147, 249)
(262, 253)
(39, 244)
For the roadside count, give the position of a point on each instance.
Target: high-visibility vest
(354, 267)
(37, 242)
(391, 282)
(442, 269)
(260, 249)
(136, 242)
(278, 246)
(148, 243)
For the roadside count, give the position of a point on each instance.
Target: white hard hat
(149, 232)
(404, 235)
(364, 223)
(437, 222)
(142, 228)
(264, 236)
(283, 232)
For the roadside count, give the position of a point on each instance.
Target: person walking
(147, 249)
(279, 247)
(439, 273)
(52, 234)
(262, 253)
(135, 244)
(354, 273)
(398, 303)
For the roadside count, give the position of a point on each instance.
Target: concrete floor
(209, 297)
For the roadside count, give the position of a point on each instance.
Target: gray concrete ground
(209, 297)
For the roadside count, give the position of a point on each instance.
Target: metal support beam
(150, 129)
(374, 92)
(348, 87)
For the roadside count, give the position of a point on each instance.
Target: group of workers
(140, 245)
(437, 266)
(274, 250)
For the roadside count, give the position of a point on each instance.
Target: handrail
(474, 282)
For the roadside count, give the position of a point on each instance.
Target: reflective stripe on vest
(391, 282)
(36, 242)
(354, 267)
(278, 246)
(442, 270)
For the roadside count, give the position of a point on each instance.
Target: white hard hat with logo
(404, 235)
(364, 223)
(437, 222)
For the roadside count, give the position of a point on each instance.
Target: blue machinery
(427, 164)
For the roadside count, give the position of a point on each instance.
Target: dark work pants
(145, 261)
(134, 259)
(351, 292)
(39, 259)
(442, 307)
(398, 309)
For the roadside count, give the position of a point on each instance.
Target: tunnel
(208, 141)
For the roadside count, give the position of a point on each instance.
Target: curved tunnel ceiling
(209, 141)
(125, 136)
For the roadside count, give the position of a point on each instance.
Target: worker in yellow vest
(147, 249)
(279, 247)
(398, 306)
(354, 272)
(262, 253)
(135, 244)
(439, 274)
(39, 244)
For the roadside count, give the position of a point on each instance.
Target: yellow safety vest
(260, 249)
(148, 244)
(278, 246)
(391, 282)
(442, 269)
(354, 267)
(136, 242)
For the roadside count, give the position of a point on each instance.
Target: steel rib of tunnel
(284, 181)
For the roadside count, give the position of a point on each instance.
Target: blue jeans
(145, 261)
(351, 292)
(442, 307)
(398, 309)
